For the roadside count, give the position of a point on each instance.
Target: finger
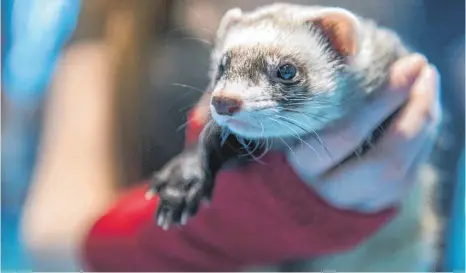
(417, 123)
(329, 146)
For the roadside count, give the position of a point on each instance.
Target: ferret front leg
(188, 178)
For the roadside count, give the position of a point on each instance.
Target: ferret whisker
(210, 127)
(315, 102)
(291, 150)
(320, 118)
(189, 87)
(266, 144)
(319, 139)
(307, 144)
(357, 153)
(295, 122)
(262, 129)
(262, 142)
(188, 106)
(184, 125)
(316, 117)
(313, 116)
(270, 144)
(312, 132)
(202, 41)
(302, 98)
(182, 99)
(297, 135)
(314, 106)
(184, 95)
(257, 146)
(224, 136)
(246, 148)
(181, 28)
(266, 150)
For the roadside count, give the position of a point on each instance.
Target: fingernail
(160, 220)
(411, 62)
(428, 79)
(184, 218)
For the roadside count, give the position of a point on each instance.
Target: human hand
(379, 178)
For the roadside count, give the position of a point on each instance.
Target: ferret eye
(286, 72)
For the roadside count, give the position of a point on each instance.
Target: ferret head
(281, 72)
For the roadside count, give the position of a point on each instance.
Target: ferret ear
(341, 27)
(230, 17)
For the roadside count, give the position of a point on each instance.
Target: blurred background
(109, 82)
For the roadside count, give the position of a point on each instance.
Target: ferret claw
(180, 193)
(149, 194)
(184, 218)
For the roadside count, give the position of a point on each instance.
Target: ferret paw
(181, 186)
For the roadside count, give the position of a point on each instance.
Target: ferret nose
(226, 106)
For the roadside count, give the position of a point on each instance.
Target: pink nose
(226, 106)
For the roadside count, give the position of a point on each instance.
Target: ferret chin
(267, 123)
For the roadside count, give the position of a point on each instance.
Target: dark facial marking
(247, 64)
(284, 80)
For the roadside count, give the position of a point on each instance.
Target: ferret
(281, 72)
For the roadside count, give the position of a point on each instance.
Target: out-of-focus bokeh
(129, 70)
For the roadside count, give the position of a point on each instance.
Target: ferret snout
(226, 105)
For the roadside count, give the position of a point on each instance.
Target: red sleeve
(260, 214)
